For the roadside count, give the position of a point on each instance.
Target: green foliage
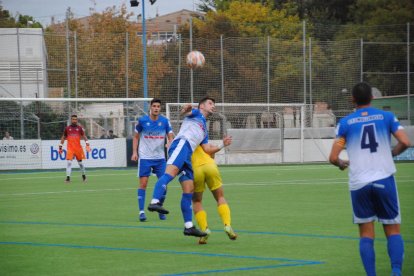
(23, 21)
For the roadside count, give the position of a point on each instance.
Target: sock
(395, 247)
(161, 186)
(224, 212)
(81, 166)
(366, 250)
(141, 199)
(201, 218)
(69, 168)
(162, 199)
(186, 207)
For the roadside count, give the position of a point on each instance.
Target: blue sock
(162, 199)
(366, 250)
(141, 199)
(161, 186)
(395, 247)
(186, 207)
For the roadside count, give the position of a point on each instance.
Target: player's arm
(337, 147)
(403, 142)
(62, 140)
(88, 146)
(135, 141)
(170, 138)
(186, 110)
(212, 149)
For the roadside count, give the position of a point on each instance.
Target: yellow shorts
(207, 174)
(78, 153)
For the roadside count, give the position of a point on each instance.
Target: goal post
(37, 124)
(267, 133)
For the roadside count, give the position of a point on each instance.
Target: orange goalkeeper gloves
(88, 147)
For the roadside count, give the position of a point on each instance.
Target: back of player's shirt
(152, 137)
(73, 135)
(194, 129)
(367, 133)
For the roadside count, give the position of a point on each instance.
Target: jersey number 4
(368, 139)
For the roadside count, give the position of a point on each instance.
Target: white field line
(175, 185)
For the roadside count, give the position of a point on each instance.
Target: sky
(43, 10)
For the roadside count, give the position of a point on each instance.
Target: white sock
(141, 212)
(154, 201)
(69, 168)
(81, 166)
(188, 224)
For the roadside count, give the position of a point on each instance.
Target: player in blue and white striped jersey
(367, 136)
(193, 132)
(150, 133)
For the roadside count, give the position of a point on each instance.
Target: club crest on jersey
(159, 124)
(365, 113)
(148, 123)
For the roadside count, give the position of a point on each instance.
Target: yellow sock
(224, 212)
(201, 218)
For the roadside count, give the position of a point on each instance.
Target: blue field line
(244, 268)
(176, 228)
(291, 262)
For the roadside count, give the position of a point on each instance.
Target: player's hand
(343, 164)
(60, 151)
(88, 147)
(134, 156)
(227, 140)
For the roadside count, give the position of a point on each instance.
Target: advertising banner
(20, 154)
(104, 153)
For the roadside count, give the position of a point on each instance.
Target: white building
(27, 79)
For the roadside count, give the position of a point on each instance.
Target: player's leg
(178, 152)
(144, 170)
(80, 155)
(215, 184)
(365, 215)
(187, 186)
(69, 158)
(387, 204)
(159, 170)
(141, 192)
(199, 212)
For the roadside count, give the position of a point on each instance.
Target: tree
(23, 21)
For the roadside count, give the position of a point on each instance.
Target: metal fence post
(304, 61)
(408, 76)
(20, 85)
(222, 71)
(191, 69)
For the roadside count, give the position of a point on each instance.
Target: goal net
(36, 126)
(267, 133)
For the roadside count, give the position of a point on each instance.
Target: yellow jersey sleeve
(199, 157)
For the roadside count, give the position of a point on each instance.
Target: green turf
(291, 220)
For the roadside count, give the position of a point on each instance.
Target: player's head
(207, 105)
(155, 106)
(362, 94)
(74, 119)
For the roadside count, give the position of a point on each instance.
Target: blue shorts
(377, 201)
(148, 166)
(180, 156)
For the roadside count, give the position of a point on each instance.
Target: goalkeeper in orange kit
(73, 134)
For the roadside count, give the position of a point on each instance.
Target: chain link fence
(320, 69)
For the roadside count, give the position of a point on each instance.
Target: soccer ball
(195, 59)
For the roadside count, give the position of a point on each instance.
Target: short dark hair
(362, 93)
(111, 131)
(74, 116)
(155, 100)
(203, 100)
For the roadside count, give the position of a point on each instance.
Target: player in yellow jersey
(206, 173)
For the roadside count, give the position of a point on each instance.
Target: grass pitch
(291, 220)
